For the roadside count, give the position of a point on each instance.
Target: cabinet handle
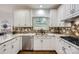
(63, 49)
(4, 50)
(4, 45)
(41, 40)
(69, 46)
(12, 46)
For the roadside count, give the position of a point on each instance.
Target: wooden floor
(37, 52)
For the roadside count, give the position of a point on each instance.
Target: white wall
(41, 12)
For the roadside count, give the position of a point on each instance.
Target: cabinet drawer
(5, 50)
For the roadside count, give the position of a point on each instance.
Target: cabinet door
(53, 43)
(19, 17)
(61, 15)
(1, 51)
(46, 44)
(37, 44)
(66, 49)
(67, 10)
(20, 43)
(76, 10)
(15, 46)
(74, 50)
(8, 49)
(28, 21)
(22, 18)
(58, 45)
(53, 18)
(76, 6)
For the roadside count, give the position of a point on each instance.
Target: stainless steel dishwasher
(27, 42)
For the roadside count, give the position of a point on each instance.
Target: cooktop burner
(71, 39)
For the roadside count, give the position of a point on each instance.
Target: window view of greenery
(40, 23)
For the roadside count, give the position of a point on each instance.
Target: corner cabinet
(11, 47)
(22, 18)
(65, 47)
(67, 11)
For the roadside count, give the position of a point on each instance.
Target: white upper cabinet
(67, 11)
(75, 10)
(77, 7)
(60, 15)
(22, 18)
(53, 18)
(67, 8)
(28, 18)
(19, 18)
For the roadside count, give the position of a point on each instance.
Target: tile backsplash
(73, 30)
(22, 29)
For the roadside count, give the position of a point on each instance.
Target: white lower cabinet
(42, 44)
(20, 43)
(5, 50)
(37, 44)
(63, 48)
(74, 50)
(58, 45)
(70, 49)
(46, 44)
(17, 45)
(11, 47)
(66, 48)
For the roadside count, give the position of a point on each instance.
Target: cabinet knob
(63, 48)
(12, 46)
(41, 40)
(4, 50)
(69, 46)
(4, 45)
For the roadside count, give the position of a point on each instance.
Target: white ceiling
(33, 6)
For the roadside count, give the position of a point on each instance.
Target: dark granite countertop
(71, 39)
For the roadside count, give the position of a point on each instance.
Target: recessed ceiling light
(40, 12)
(41, 6)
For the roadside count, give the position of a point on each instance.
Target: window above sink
(40, 23)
